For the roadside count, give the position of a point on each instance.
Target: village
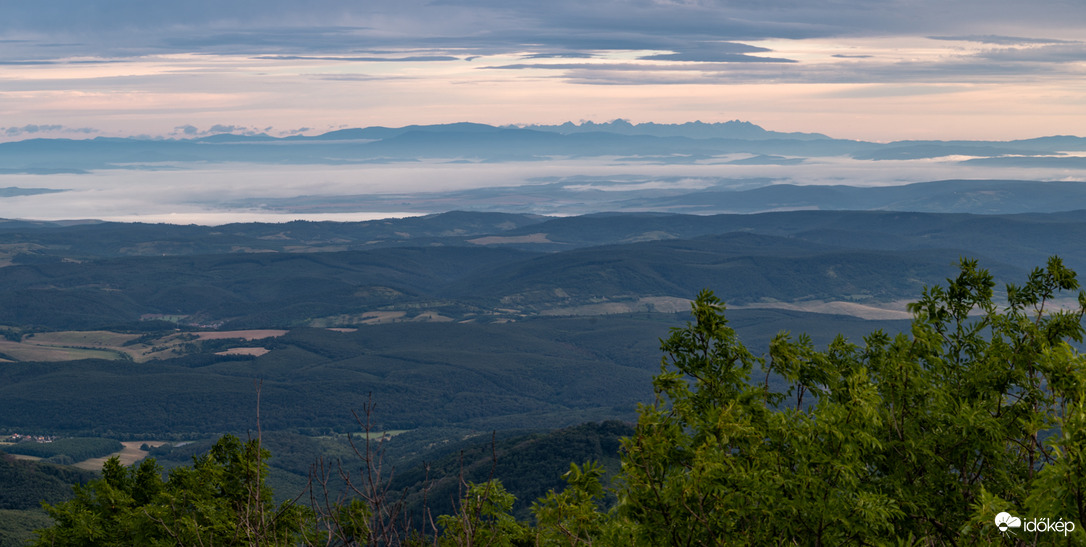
(15, 438)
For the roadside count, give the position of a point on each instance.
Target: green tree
(918, 438)
(221, 500)
(573, 516)
(484, 518)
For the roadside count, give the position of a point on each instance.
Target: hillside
(456, 325)
(538, 373)
(24, 485)
(485, 267)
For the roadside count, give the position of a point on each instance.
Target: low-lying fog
(204, 193)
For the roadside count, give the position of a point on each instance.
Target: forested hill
(472, 320)
(488, 266)
(456, 325)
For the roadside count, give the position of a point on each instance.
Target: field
(255, 352)
(255, 334)
(91, 339)
(34, 351)
(109, 345)
(94, 344)
(128, 456)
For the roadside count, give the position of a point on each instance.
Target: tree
(484, 518)
(574, 518)
(922, 438)
(221, 500)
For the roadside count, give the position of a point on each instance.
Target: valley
(472, 321)
(457, 327)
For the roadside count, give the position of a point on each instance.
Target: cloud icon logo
(1005, 520)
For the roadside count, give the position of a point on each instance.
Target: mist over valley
(569, 169)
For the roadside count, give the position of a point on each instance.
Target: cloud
(889, 91)
(342, 27)
(354, 77)
(189, 130)
(50, 129)
(1055, 53)
(678, 41)
(566, 55)
(1000, 40)
(219, 128)
(27, 63)
(31, 128)
(821, 61)
(289, 63)
(366, 59)
(717, 52)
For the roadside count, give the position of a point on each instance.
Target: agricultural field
(254, 352)
(130, 454)
(255, 334)
(109, 345)
(19, 351)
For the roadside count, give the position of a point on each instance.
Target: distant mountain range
(479, 142)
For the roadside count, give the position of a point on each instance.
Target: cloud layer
(692, 30)
(255, 64)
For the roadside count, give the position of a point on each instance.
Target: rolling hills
(495, 267)
(466, 320)
(456, 325)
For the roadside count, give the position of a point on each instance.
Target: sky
(878, 70)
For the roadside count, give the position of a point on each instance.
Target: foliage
(574, 517)
(919, 438)
(911, 439)
(528, 465)
(483, 519)
(916, 439)
(220, 500)
(25, 484)
(17, 526)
